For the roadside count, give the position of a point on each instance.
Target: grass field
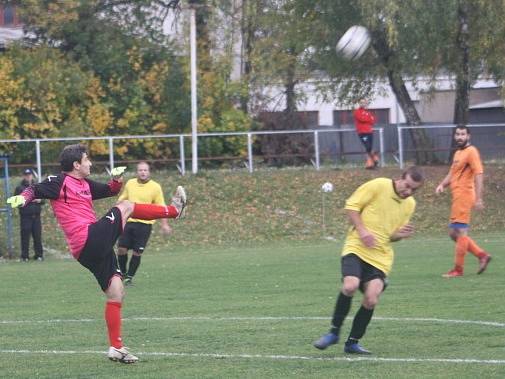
(253, 312)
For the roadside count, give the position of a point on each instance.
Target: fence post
(181, 153)
(381, 145)
(400, 146)
(249, 152)
(316, 148)
(111, 152)
(39, 163)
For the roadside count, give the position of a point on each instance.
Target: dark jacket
(31, 209)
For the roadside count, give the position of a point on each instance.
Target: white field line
(272, 357)
(259, 318)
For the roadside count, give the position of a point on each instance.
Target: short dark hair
(144, 162)
(415, 173)
(71, 154)
(462, 127)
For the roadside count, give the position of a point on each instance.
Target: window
(9, 16)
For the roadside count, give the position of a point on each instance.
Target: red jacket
(364, 120)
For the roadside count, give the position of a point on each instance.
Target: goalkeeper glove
(117, 171)
(16, 201)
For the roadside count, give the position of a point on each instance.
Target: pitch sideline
(258, 318)
(272, 357)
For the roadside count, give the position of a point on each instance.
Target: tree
(141, 79)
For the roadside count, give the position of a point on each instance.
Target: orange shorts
(461, 208)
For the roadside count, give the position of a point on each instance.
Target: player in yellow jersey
(466, 179)
(141, 189)
(379, 212)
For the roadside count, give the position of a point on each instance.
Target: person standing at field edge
(466, 179)
(30, 224)
(364, 120)
(379, 212)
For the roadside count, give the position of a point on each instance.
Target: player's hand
(367, 238)
(403, 232)
(479, 205)
(16, 201)
(440, 188)
(166, 229)
(117, 172)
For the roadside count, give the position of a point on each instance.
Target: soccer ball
(354, 42)
(327, 187)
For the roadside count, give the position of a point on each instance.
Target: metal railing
(316, 133)
(402, 143)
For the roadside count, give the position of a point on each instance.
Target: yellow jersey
(382, 212)
(144, 193)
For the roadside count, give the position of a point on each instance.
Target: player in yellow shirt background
(379, 212)
(136, 233)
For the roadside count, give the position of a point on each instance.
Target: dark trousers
(31, 226)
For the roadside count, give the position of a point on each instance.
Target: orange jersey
(466, 164)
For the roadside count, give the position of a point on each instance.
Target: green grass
(278, 205)
(277, 279)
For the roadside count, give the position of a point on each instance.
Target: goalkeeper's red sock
(475, 249)
(461, 249)
(153, 211)
(113, 320)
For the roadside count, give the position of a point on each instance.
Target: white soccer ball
(327, 187)
(354, 42)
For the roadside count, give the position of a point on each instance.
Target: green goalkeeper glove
(16, 201)
(117, 171)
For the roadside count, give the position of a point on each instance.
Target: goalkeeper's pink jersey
(72, 203)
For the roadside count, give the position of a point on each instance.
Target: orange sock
(475, 249)
(113, 320)
(461, 249)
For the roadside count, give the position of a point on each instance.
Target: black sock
(134, 265)
(341, 310)
(359, 324)
(122, 260)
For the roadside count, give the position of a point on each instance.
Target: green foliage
(271, 205)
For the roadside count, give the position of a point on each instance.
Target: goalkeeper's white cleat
(179, 200)
(121, 355)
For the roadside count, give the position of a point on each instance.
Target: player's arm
(479, 188)
(365, 235)
(478, 169)
(101, 190)
(444, 183)
(405, 231)
(48, 189)
(362, 115)
(112, 188)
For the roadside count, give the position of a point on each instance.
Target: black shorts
(98, 254)
(135, 236)
(367, 141)
(352, 265)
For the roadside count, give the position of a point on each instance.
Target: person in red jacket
(364, 121)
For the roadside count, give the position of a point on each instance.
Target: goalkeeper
(91, 241)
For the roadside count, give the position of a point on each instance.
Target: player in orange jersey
(466, 180)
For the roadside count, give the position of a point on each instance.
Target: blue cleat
(355, 348)
(325, 341)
